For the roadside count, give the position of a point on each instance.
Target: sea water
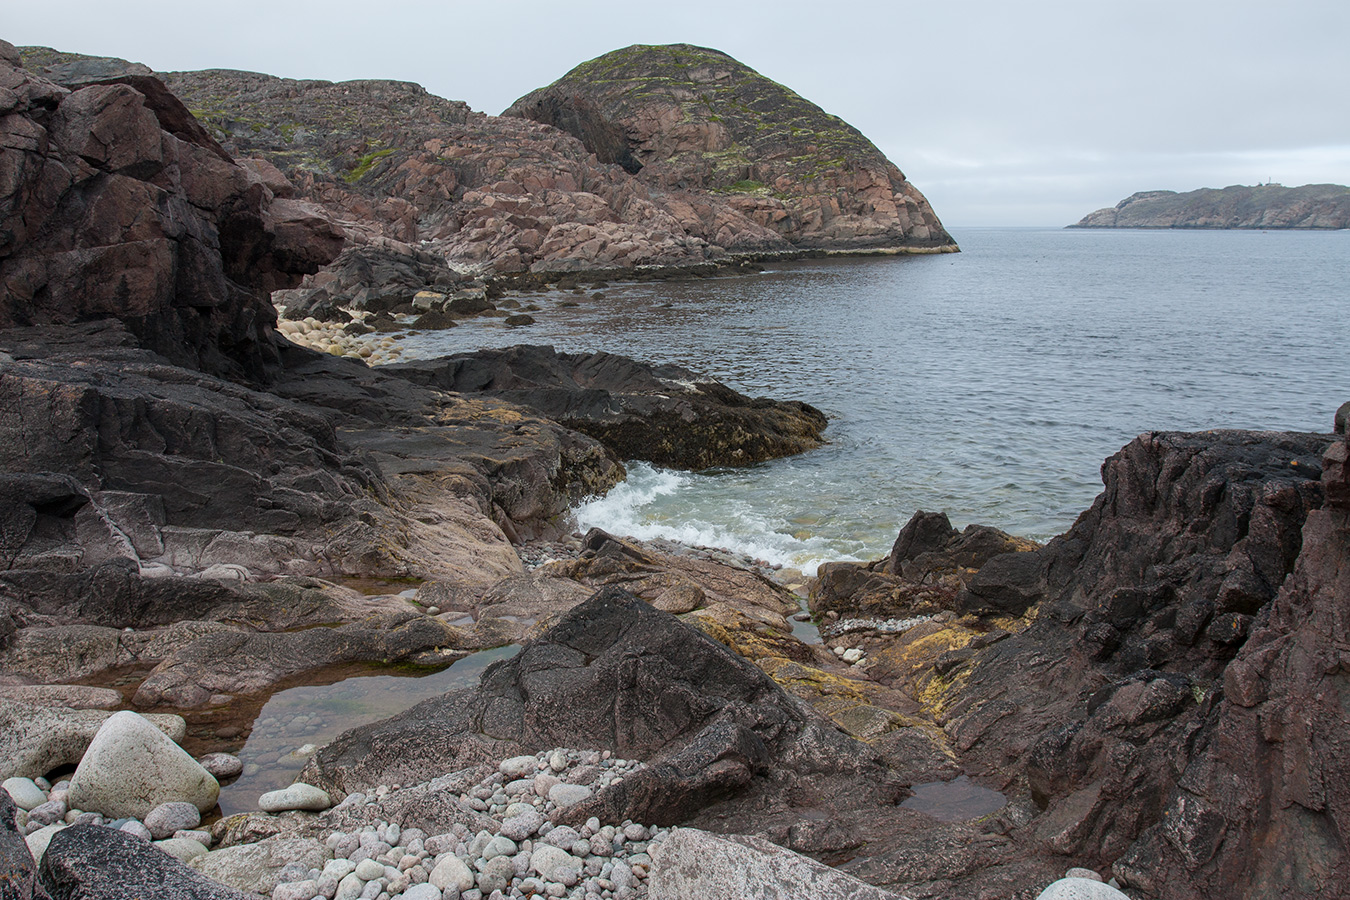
(990, 384)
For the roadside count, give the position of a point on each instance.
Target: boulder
(694, 863)
(257, 867)
(168, 818)
(24, 793)
(34, 740)
(89, 862)
(131, 767)
(297, 796)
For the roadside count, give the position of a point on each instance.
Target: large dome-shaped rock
(90, 862)
(617, 674)
(131, 767)
(685, 118)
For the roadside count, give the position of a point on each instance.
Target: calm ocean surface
(990, 384)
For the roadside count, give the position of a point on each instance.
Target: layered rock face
(729, 145)
(116, 204)
(1312, 206)
(1162, 627)
(1281, 727)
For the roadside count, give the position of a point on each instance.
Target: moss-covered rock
(688, 118)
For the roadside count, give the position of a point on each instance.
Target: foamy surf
(691, 509)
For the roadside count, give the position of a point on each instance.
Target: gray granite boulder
(89, 862)
(36, 739)
(131, 767)
(18, 873)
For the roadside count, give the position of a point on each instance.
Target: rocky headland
(391, 162)
(196, 511)
(1263, 206)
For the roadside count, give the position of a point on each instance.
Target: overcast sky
(1002, 113)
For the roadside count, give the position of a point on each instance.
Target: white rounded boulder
(1080, 889)
(297, 796)
(131, 767)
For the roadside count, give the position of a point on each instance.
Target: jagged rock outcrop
(927, 567)
(699, 124)
(664, 414)
(1312, 206)
(1279, 719)
(116, 204)
(1115, 692)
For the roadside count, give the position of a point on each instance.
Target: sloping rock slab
(693, 863)
(90, 862)
(664, 414)
(615, 674)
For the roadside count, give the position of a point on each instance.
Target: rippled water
(990, 383)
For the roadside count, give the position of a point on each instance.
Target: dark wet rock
(1117, 683)
(928, 548)
(118, 205)
(664, 414)
(18, 871)
(617, 674)
(861, 590)
(1277, 715)
(929, 565)
(89, 862)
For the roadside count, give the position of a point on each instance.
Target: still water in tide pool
(990, 384)
(296, 721)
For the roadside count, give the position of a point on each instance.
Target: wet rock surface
(664, 414)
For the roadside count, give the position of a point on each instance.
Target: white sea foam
(690, 508)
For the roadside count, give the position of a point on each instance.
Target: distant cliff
(1312, 206)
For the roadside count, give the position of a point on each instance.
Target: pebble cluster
(42, 810)
(329, 337)
(887, 626)
(528, 856)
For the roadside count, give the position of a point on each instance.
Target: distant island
(1312, 206)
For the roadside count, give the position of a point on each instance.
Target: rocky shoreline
(184, 491)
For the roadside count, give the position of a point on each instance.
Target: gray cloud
(1002, 113)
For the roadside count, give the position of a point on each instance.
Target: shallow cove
(990, 384)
